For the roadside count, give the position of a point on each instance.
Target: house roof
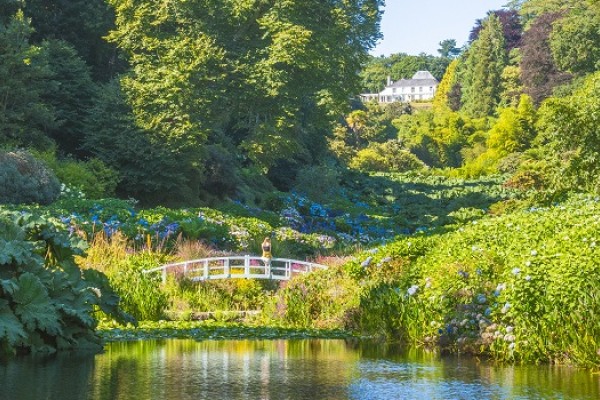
(420, 78)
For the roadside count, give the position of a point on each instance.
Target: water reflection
(281, 369)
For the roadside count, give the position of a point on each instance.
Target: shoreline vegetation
(488, 277)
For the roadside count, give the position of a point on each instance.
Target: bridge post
(205, 269)
(227, 268)
(247, 265)
(164, 275)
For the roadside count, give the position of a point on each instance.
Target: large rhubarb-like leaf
(34, 307)
(11, 329)
(8, 287)
(19, 253)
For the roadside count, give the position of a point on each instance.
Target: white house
(421, 86)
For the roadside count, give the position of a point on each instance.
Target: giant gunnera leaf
(11, 329)
(46, 304)
(34, 307)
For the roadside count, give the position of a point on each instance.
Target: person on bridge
(266, 254)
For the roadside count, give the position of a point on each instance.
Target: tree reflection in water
(281, 369)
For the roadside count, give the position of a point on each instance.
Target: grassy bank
(524, 286)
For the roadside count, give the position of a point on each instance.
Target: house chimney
(389, 81)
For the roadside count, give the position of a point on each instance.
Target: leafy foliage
(45, 302)
(93, 178)
(570, 125)
(147, 170)
(23, 79)
(248, 60)
(485, 61)
(138, 292)
(69, 93)
(441, 95)
(24, 179)
(574, 40)
(386, 157)
(511, 28)
(83, 24)
(539, 72)
(522, 286)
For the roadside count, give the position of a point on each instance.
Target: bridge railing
(251, 267)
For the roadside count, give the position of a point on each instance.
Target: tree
(515, 4)
(254, 70)
(69, 93)
(374, 74)
(440, 101)
(83, 24)
(448, 48)
(405, 66)
(24, 75)
(370, 125)
(512, 87)
(539, 72)
(569, 128)
(8, 8)
(575, 40)
(511, 28)
(455, 96)
(485, 61)
(532, 9)
(149, 170)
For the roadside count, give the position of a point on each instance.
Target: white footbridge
(236, 267)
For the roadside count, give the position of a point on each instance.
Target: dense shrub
(93, 177)
(24, 179)
(386, 157)
(570, 127)
(46, 302)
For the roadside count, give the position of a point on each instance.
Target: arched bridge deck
(232, 267)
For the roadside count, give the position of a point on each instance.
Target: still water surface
(281, 369)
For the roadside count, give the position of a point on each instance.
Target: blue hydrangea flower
(412, 290)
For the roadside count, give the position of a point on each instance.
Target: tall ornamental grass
(141, 293)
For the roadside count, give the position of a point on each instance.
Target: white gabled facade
(422, 86)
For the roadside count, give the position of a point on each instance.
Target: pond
(281, 369)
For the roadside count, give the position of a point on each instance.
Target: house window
(420, 88)
(394, 90)
(431, 88)
(412, 89)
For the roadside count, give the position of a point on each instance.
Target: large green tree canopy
(265, 75)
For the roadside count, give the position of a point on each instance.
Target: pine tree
(486, 59)
(24, 77)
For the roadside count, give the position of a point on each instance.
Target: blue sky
(415, 27)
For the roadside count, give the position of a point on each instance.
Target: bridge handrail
(288, 262)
